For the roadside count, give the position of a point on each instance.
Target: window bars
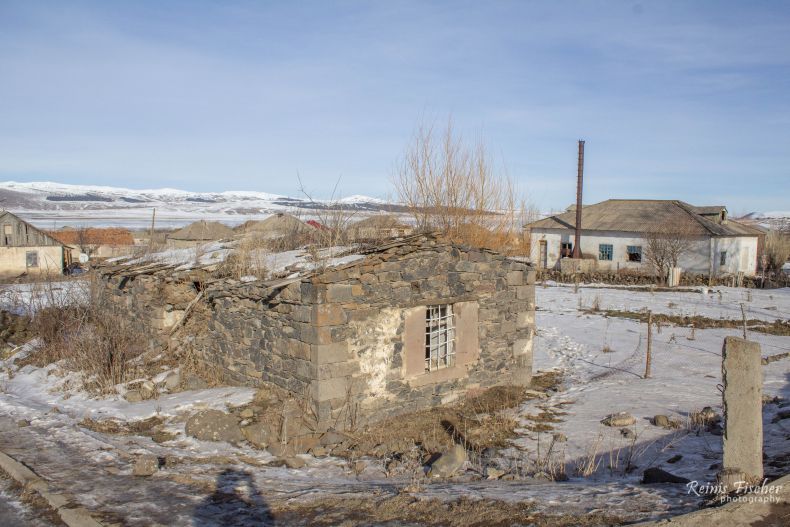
(439, 337)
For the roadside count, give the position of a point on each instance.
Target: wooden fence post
(649, 357)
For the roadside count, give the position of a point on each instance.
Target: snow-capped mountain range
(47, 203)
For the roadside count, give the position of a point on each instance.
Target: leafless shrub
(334, 219)
(777, 249)
(665, 246)
(247, 259)
(452, 186)
(95, 337)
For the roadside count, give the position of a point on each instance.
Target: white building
(615, 233)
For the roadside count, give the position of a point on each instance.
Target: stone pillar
(742, 376)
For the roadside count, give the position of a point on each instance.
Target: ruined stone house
(415, 323)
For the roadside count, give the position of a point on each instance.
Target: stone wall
(338, 338)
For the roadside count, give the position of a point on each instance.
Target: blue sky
(687, 100)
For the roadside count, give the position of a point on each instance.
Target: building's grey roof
(646, 216)
(202, 231)
(280, 224)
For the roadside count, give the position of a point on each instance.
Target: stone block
(329, 389)
(525, 292)
(742, 376)
(525, 319)
(329, 353)
(338, 369)
(339, 293)
(515, 278)
(529, 276)
(328, 315)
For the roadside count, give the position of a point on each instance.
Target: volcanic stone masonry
(352, 341)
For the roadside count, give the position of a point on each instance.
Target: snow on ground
(604, 362)
(184, 258)
(602, 359)
(30, 297)
(717, 302)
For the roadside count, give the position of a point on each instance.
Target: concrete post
(742, 377)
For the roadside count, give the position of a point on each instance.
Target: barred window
(439, 337)
(605, 251)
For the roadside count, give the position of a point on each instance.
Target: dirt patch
(486, 420)
(777, 327)
(408, 509)
(151, 427)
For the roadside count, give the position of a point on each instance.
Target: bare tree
(331, 229)
(665, 246)
(777, 249)
(84, 241)
(451, 185)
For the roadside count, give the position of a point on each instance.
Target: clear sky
(687, 100)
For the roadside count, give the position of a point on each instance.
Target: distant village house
(95, 242)
(24, 249)
(198, 233)
(617, 234)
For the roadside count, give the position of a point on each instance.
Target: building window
(31, 258)
(566, 250)
(634, 253)
(605, 251)
(439, 337)
(723, 258)
(8, 235)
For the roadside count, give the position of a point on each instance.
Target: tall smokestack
(577, 252)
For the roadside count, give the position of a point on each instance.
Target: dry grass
(408, 509)
(96, 337)
(477, 422)
(777, 327)
(777, 249)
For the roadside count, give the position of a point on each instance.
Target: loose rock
(449, 462)
(145, 465)
(294, 462)
(258, 434)
(619, 419)
(664, 421)
(133, 396)
(494, 473)
(173, 381)
(213, 425)
(147, 390)
(193, 382)
(656, 475)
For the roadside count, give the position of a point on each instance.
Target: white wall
(741, 251)
(741, 255)
(13, 260)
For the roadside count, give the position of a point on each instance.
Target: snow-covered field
(602, 360)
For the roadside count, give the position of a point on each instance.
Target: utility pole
(151, 235)
(577, 251)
